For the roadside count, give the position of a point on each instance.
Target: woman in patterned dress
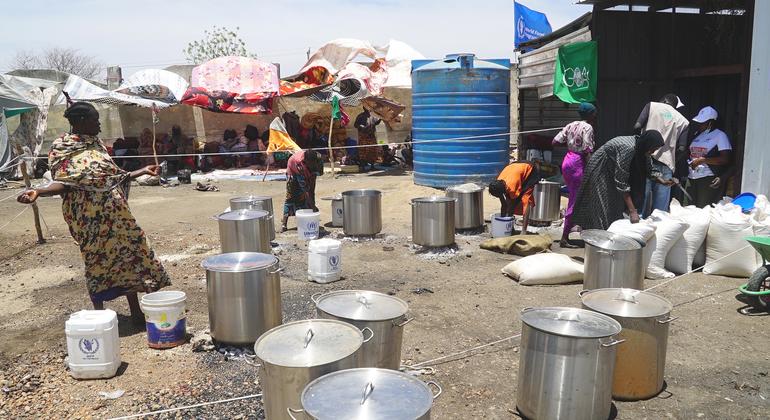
(118, 261)
(302, 169)
(615, 179)
(578, 136)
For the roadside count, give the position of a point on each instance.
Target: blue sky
(139, 34)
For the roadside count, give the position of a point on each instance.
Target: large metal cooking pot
(565, 364)
(547, 199)
(433, 221)
(367, 393)
(244, 295)
(296, 353)
(362, 212)
(469, 210)
(244, 231)
(256, 202)
(385, 315)
(612, 261)
(640, 363)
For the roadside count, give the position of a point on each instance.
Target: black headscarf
(640, 166)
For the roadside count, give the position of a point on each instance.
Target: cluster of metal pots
(573, 362)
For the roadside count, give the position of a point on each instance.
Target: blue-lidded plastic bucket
(746, 201)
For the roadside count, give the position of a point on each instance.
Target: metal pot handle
(309, 337)
(314, 297)
(604, 251)
(667, 320)
(366, 340)
(613, 343)
(368, 389)
(290, 410)
(401, 324)
(279, 269)
(438, 387)
(583, 292)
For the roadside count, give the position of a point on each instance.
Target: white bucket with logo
(307, 224)
(324, 260)
(165, 317)
(501, 226)
(93, 344)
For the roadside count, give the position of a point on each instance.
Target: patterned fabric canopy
(233, 84)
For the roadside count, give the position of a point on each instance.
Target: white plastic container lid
(91, 319)
(323, 245)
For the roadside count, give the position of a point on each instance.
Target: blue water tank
(454, 98)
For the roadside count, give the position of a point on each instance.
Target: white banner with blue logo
(529, 24)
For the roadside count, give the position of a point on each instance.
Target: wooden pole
(154, 152)
(27, 183)
(329, 144)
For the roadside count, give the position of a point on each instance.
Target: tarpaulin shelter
(80, 89)
(31, 98)
(12, 101)
(233, 84)
(159, 85)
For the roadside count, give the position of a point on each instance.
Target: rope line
(186, 407)
(10, 196)
(421, 364)
(15, 217)
(262, 152)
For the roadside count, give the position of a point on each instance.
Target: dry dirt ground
(718, 359)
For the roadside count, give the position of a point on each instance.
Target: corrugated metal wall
(643, 56)
(536, 114)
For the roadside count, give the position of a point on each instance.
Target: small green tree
(218, 42)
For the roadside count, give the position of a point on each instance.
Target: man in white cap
(663, 117)
(710, 158)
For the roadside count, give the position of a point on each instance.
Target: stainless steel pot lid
(308, 343)
(238, 262)
(361, 305)
(465, 188)
(250, 199)
(243, 214)
(610, 241)
(628, 303)
(433, 199)
(570, 322)
(361, 193)
(367, 393)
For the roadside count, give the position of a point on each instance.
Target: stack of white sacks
(690, 237)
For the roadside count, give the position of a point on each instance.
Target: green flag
(575, 78)
(336, 112)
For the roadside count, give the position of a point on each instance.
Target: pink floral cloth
(236, 74)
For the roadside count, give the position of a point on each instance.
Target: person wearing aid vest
(664, 118)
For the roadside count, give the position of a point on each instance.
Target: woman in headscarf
(118, 261)
(614, 180)
(301, 171)
(579, 139)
